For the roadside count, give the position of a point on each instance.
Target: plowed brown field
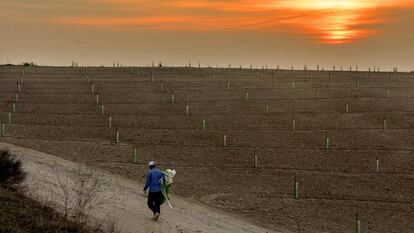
(346, 138)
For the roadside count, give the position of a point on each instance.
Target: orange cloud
(178, 23)
(328, 21)
(128, 21)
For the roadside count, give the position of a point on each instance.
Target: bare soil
(285, 122)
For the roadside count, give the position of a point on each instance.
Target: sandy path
(127, 202)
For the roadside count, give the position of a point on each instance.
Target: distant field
(239, 138)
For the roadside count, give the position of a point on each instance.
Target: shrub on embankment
(21, 214)
(11, 172)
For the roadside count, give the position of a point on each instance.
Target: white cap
(151, 163)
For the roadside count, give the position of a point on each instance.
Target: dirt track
(127, 203)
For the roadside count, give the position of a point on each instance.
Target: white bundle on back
(169, 175)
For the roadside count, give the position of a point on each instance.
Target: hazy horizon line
(374, 69)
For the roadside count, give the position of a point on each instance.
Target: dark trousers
(154, 202)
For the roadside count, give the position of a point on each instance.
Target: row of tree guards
(246, 98)
(225, 137)
(83, 71)
(305, 67)
(134, 69)
(267, 108)
(255, 159)
(246, 94)
(292, 84)
(393, 74)
(187, 112)
(16, 98)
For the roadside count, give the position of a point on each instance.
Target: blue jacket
(153, 180)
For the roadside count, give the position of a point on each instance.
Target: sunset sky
(257, 32)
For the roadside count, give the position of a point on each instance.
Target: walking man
(153, 182)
